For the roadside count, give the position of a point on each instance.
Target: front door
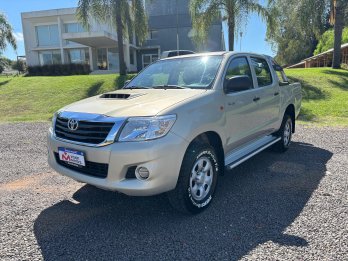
(241, 120)
(102, 60)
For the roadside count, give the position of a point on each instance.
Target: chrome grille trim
(90, 118)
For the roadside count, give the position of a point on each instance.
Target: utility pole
(241, 36)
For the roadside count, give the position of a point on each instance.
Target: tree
(19, 65)
(6, 34)
(235, 12)
(326, 41)
(4, 63)
(340, 9)
(123, 15)
(298, 24)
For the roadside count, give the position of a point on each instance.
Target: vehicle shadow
(254, 204)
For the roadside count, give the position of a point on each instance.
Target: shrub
(59, 69)
(20, 66)
(344, 66)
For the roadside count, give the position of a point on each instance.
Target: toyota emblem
(73, 124)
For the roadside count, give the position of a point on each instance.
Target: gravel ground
(291, 206)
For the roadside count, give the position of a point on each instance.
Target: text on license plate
(72, 156)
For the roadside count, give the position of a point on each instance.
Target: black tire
(285, 134)
(187, 197)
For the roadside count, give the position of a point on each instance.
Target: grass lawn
(37, 98)
(325, 95)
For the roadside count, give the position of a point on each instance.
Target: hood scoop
(120, 96)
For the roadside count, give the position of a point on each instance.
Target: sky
(253, 39)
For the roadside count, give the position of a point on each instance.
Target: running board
(238, 156)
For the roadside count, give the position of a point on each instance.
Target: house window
(149, 58)
(152, 35)
(50, 57)
(74, 28)
(47, 35)
(78, 55)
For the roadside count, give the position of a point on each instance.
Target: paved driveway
(291, 206)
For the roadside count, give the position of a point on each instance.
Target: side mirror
(277, 68)
(238, 83)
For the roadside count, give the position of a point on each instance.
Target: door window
(238, 67)
(262, 70)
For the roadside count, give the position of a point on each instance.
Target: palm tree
(204, 12)
(340, 10)
(6, 34)
(123, 15)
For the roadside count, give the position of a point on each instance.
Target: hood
(136, 102)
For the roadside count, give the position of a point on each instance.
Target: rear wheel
(285, 134)
(197, 180)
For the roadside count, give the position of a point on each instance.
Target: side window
(238, 67)
(262, 70)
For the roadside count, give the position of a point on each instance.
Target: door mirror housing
(238, 84)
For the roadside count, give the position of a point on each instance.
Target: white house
(56, 36)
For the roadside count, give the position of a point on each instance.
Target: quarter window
(238, 67)
(262, 70)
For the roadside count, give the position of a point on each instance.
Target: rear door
(240, 107)
(268, 95)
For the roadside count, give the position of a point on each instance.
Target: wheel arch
(290, 110)
(213, 139)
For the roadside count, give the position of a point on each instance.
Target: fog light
(142, 173)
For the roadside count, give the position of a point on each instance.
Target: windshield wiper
(137, 87)
(168, 86)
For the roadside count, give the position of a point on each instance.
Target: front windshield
(190, 72)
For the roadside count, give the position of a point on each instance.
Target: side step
(238, 156)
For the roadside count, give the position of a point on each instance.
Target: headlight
(146, 128)
(54, 120)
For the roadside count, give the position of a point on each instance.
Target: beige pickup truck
(176, 126)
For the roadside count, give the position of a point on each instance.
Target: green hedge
(59, 70)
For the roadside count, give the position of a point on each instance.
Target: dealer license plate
(72, 157)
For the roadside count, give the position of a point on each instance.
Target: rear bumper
(162, 157)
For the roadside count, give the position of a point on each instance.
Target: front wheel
(197, 180)
(285, 134)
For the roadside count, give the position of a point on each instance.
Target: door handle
(276, 93)
(256, 99)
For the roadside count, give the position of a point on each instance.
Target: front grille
(87, 131)
(94, 169)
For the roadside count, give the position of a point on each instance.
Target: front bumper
(162, 157)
